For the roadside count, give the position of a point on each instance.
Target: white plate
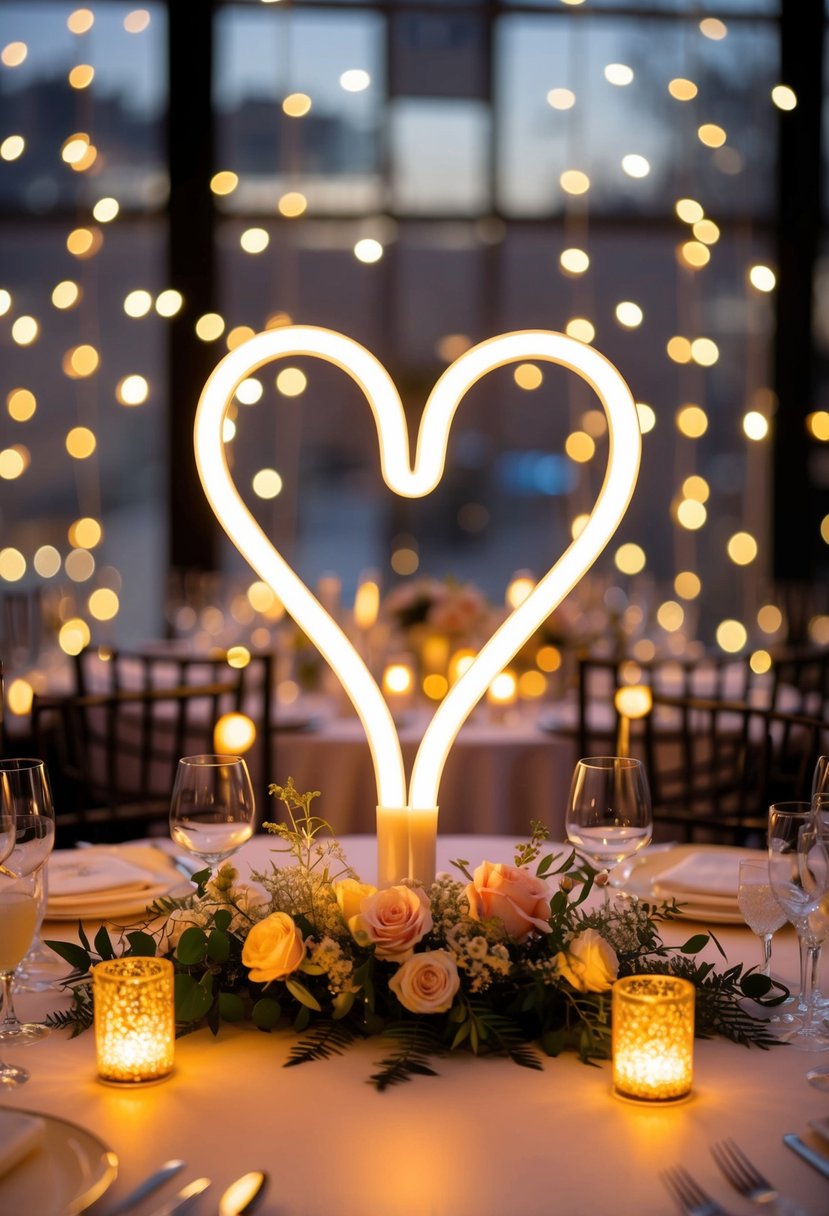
(113, 904)
(67, 1172)
(640, 876)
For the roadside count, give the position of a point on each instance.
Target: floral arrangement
(504, 959)
(426, 606)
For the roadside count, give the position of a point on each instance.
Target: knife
(821, 1164)
(150, 1184)
(243, 1195)
(181, 1202)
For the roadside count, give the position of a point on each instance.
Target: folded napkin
(706, 873)
(81, 871)
(19, 1135)
(108, 881)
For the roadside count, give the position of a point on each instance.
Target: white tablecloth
(483, 1138)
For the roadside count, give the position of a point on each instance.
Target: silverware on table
(690, 1196)
(243, 1195)
(185, 1197)
(815, 1159)
(748, 1181)
(149, 1184)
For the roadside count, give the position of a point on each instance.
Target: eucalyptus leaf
(142, 944)
(266, 1013)
(231, 1007)
(192, 1001)
(192, 946)
(218, 946)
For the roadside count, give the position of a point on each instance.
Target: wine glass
(24, 793)
(212, 812)
(800, 901)
(609, 815)
(759, 906)
(41, 968)
(820, 780)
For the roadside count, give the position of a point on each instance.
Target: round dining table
(482, 1138)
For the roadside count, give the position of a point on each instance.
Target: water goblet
(609, 816)
(759, 906)
(800, 900)
(212, 812)
(25, 793)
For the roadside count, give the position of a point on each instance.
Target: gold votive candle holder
(653, 1038)
(134, 1019)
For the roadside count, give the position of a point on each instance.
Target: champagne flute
(800, 900)
(24, 793)
(759, 906)
(212, 812)
(609, 815)
(813, 840)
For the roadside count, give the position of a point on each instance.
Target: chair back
(113, 756)
(715, 766)
(715, 676)
(115, 671)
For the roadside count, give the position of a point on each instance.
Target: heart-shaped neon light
(414, 481)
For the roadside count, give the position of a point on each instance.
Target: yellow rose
(273, 948)
(590, 963)
(350, 894)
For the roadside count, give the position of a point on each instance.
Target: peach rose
(350, 894)
(273, 948)
(427, 982)
(590, 963)
(394, 920)
(513, 895)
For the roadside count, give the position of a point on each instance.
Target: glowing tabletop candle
(134, 1019)
(653, 1038)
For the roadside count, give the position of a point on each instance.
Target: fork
(689, 1194)
(748, 1180)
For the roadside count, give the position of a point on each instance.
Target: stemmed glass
(609, 815)
(10, 1074)
(800, 900)
(25, 794)
(41, 967)
(212, 812)
(813, 840)
(759, 906)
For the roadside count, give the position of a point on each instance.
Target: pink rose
(427, 982)
(394, 920)
(513, 895)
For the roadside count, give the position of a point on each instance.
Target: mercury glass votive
(134, 1019)
(653, 1038)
